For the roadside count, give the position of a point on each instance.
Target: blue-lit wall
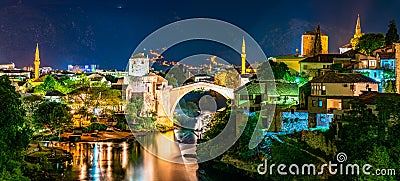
(323, 120)
(294, 122)
(388, 63)
(374, 74)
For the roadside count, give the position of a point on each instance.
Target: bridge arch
(177, 94)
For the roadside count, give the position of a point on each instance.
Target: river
(109, 161)
(126, 161)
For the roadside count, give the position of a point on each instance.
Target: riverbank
(104, 136)
(36, 152)
(235, 168)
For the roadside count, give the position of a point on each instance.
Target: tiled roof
(287, 89)
(96, 78)
(347, 46)
(282, 88)
(371, 96)
(139, 55)
(332, 77)
(322, 58)
(54, 93)
(386, 55)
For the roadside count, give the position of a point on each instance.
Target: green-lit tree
(30, 104)
(49, 83)
(52, 115)
(15, 134)
(389, 86)
(278, 70)
(391, 34)
(370, 42)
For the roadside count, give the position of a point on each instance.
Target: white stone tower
(139, 65)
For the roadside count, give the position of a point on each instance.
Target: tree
(228, 78)
(278, 69)
(87, 99)
(15, 134)
(389, 86)
(177, 73)
(49, 83)
(171, 80)
(30, 105)
(111, 78)
(52, 115)
(391, 34)
(134, 115)
(370, 42)
(317, 48)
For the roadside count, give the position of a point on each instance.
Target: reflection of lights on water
(109, 161)
(95, 161)
(124, 154)
(82, 174)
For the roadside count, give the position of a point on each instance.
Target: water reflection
(123, 161)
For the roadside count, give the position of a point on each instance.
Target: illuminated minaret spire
(37, 61)
(243, 55)
(357, 35)
(358, 27)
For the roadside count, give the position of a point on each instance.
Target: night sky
(107, 32)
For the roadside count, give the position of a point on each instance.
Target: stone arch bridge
(169, 98)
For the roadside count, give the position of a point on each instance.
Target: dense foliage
(278, 70)
(370, 42)
(14, 132)
(317, 48)
(391, 35)
(95, 126)
(178, 75)
(52, 115)
(228, 78)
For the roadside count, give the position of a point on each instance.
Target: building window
(372, 63)
(375, 74)
(243, 97)
(314, 103)
(352, 88)
(323, 87)
(344, 85)
(319, 103)
(305, 67)
(258, 98)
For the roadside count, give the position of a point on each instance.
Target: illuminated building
(291, 61)
(308, 40)
(82, 68)
(332, 92)
(140, 83)
(397, 71)
(8, 66)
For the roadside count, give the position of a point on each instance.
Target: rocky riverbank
(103, 136)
